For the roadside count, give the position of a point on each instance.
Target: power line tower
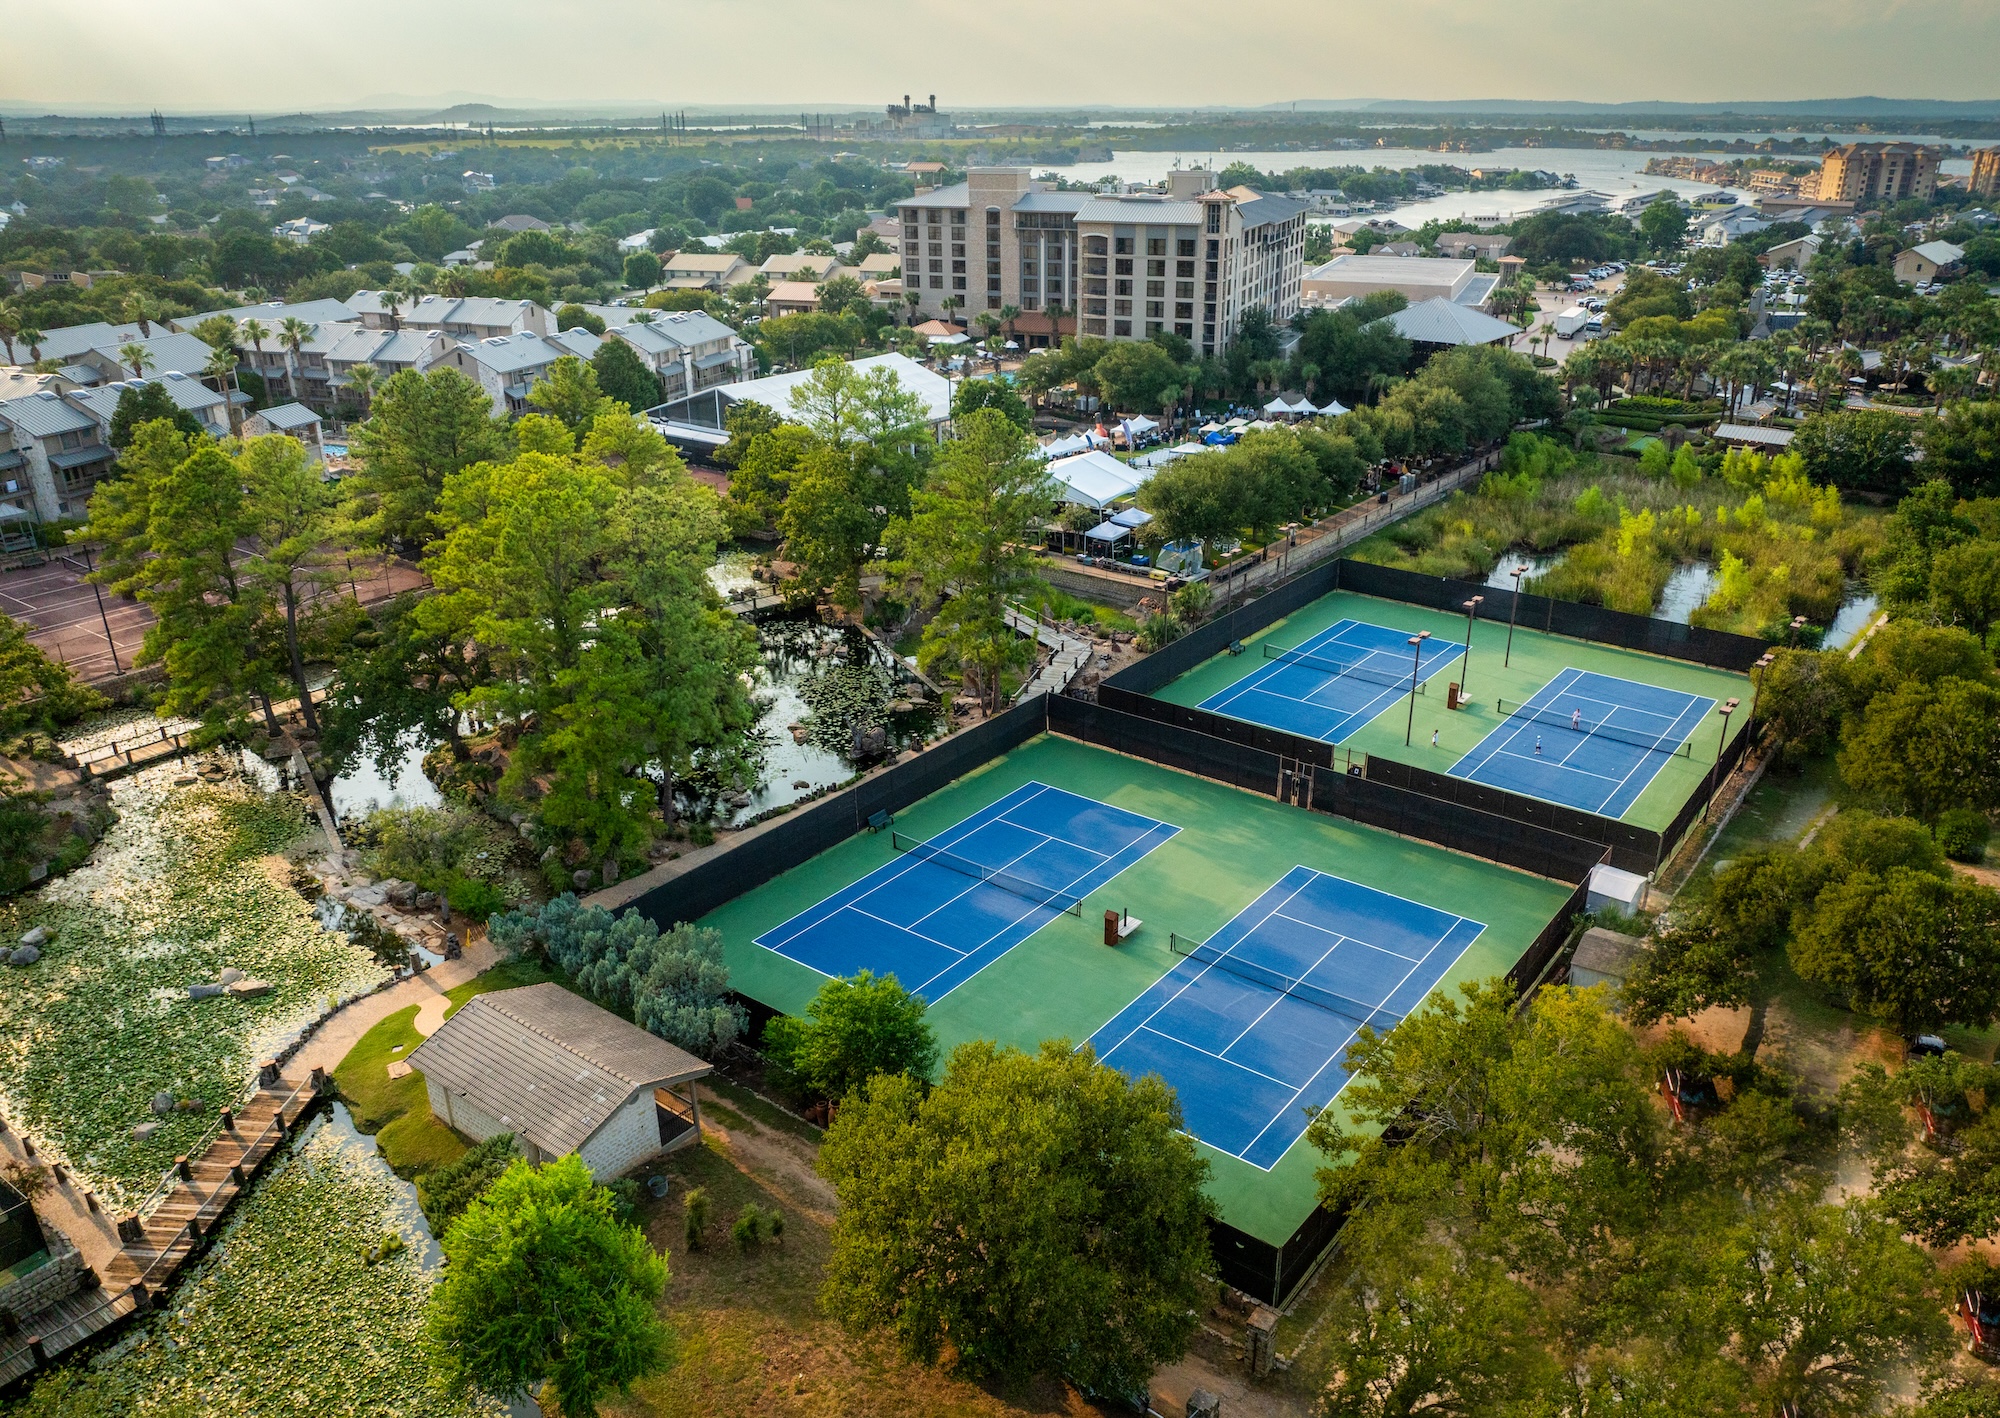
(3, 130)
(253, 125)
(159, 124)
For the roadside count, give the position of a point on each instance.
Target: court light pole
(1416, 664)
(1512, 607)
(1757, 684)
(1465, 670)
(1725, 709)
(98, 591)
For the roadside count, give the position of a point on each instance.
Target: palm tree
(361, 379)
(392, 304)
(32, 338)
(987, 322)
(221, 367)
(255, 331)
(913, 299)
(951, 303)
(10, 326)
(293, 334)
(1953, 381)
(1548, 333)
(1008, 314)
(1791, 363)
(139, 311)
(136, 355)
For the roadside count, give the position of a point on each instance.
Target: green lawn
(1496, 673)
(397, 1110)
(1062, 983)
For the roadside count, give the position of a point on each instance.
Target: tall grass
(1782, 546)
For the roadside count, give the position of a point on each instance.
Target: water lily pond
(190, 881)
(299, 1308)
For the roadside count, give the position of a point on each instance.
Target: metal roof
(190, 394)
(273, 313)
(956, 195)
(1267, 207)
(673, 330)
(289, 416)
(1140, 211)
(172, 352)
(548, 1064)
(69, 341)
(1438, 321)
(515, 354)
(80, 457)
(1040, 201)
(45, 415)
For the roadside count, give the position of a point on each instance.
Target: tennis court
(950, 905)
(1587, 740)
(1250, 1025)
(1334, 683)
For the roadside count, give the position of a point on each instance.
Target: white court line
(1210, 1053)
(1314, 926)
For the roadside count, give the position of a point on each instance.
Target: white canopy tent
(1092, 479)
(1075, 443)
(1332, 408)
(1132, 517)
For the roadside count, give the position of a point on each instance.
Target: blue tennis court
(939, 914)
(1587, 741)
(1251, 1026)
(1335, 683)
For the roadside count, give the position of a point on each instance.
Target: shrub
(1962, 833)
(754, 1225)
(1156, 631)
(694, 1219)
(444, 1192)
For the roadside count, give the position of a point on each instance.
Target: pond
(1854, 616)
(1687, 588)
(364, 786)
(1539, 564)
(819, 683)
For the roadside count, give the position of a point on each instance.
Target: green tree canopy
(421, 429)
(544, 1283)
(1862, 449)
(1032, 1214)
(852, 1030)
(147, 402)
(1962, 446)
(997, 394)
(1913, 948)
(624, 377)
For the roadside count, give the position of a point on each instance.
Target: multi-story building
(689, 350)
(1190, 260)
(54, 455)
(508, 367)
(1890, 172)
(472, 317)
(1985, 179)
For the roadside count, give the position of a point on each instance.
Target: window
(1184, 330)
(1184, 247)
(1121, 327)
(992, 302)
(1095, 265)
(992, 268)
(1156, 288)
(1121, 287)
(1184, 310)
(1184, 290)
(958, 268)
(933, 217)
(1156, 268)
(1184, 268)
(937, 282)
(1156, 246)
(958, 248)
(1031, 301)
(937, 248)
(1123, 246)
(1123, 268)
(993, 283)
(1121, 307)
(1093, 327)
(1156, 308)
(1095, 245)
(1028, 267)
(993, 216)
(1153, 327)
(958, 283)
(958, 218)
(1094, 307)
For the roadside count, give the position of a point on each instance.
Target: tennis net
(1041, 895)
(1657, 743)
(1342, 669)
(1332, 1002)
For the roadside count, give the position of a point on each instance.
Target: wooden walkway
(171, 1227)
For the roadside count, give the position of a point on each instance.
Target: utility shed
(1604, 958)
(563, 1076)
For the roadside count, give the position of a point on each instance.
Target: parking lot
(69, 618)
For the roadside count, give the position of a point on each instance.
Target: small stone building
(563, 1076)
(1604, 958)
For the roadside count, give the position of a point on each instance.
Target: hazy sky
(210, 56)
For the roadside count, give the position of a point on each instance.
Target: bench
(878, 820)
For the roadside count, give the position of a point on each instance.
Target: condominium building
(1891, 172)
(1190, 260)
(1985, 179)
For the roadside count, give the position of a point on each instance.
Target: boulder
(425, 901)
(204, 991)
(163, 1102)
(368, 895)
(144, 1131)
(23, 955)
(229, 976)
(38, 936)
(580, 879)
(249, 989)
(402, 894)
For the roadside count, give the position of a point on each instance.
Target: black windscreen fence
(1220, 726)
(1717, 648)
(802, 835)
(1632, 848)
(1549, 853)
(1176, 659)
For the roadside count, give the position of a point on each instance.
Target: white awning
(1092, 479)
(1132, 517)
(1107, 532)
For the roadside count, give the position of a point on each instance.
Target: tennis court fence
(1390, 807)
(927, 851)
(1332, 1001)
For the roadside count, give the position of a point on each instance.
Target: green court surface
(1063, 982)
(1536, 659)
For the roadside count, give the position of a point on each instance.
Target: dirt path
(779, 1158)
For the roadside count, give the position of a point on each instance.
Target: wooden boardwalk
(171, 1227)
